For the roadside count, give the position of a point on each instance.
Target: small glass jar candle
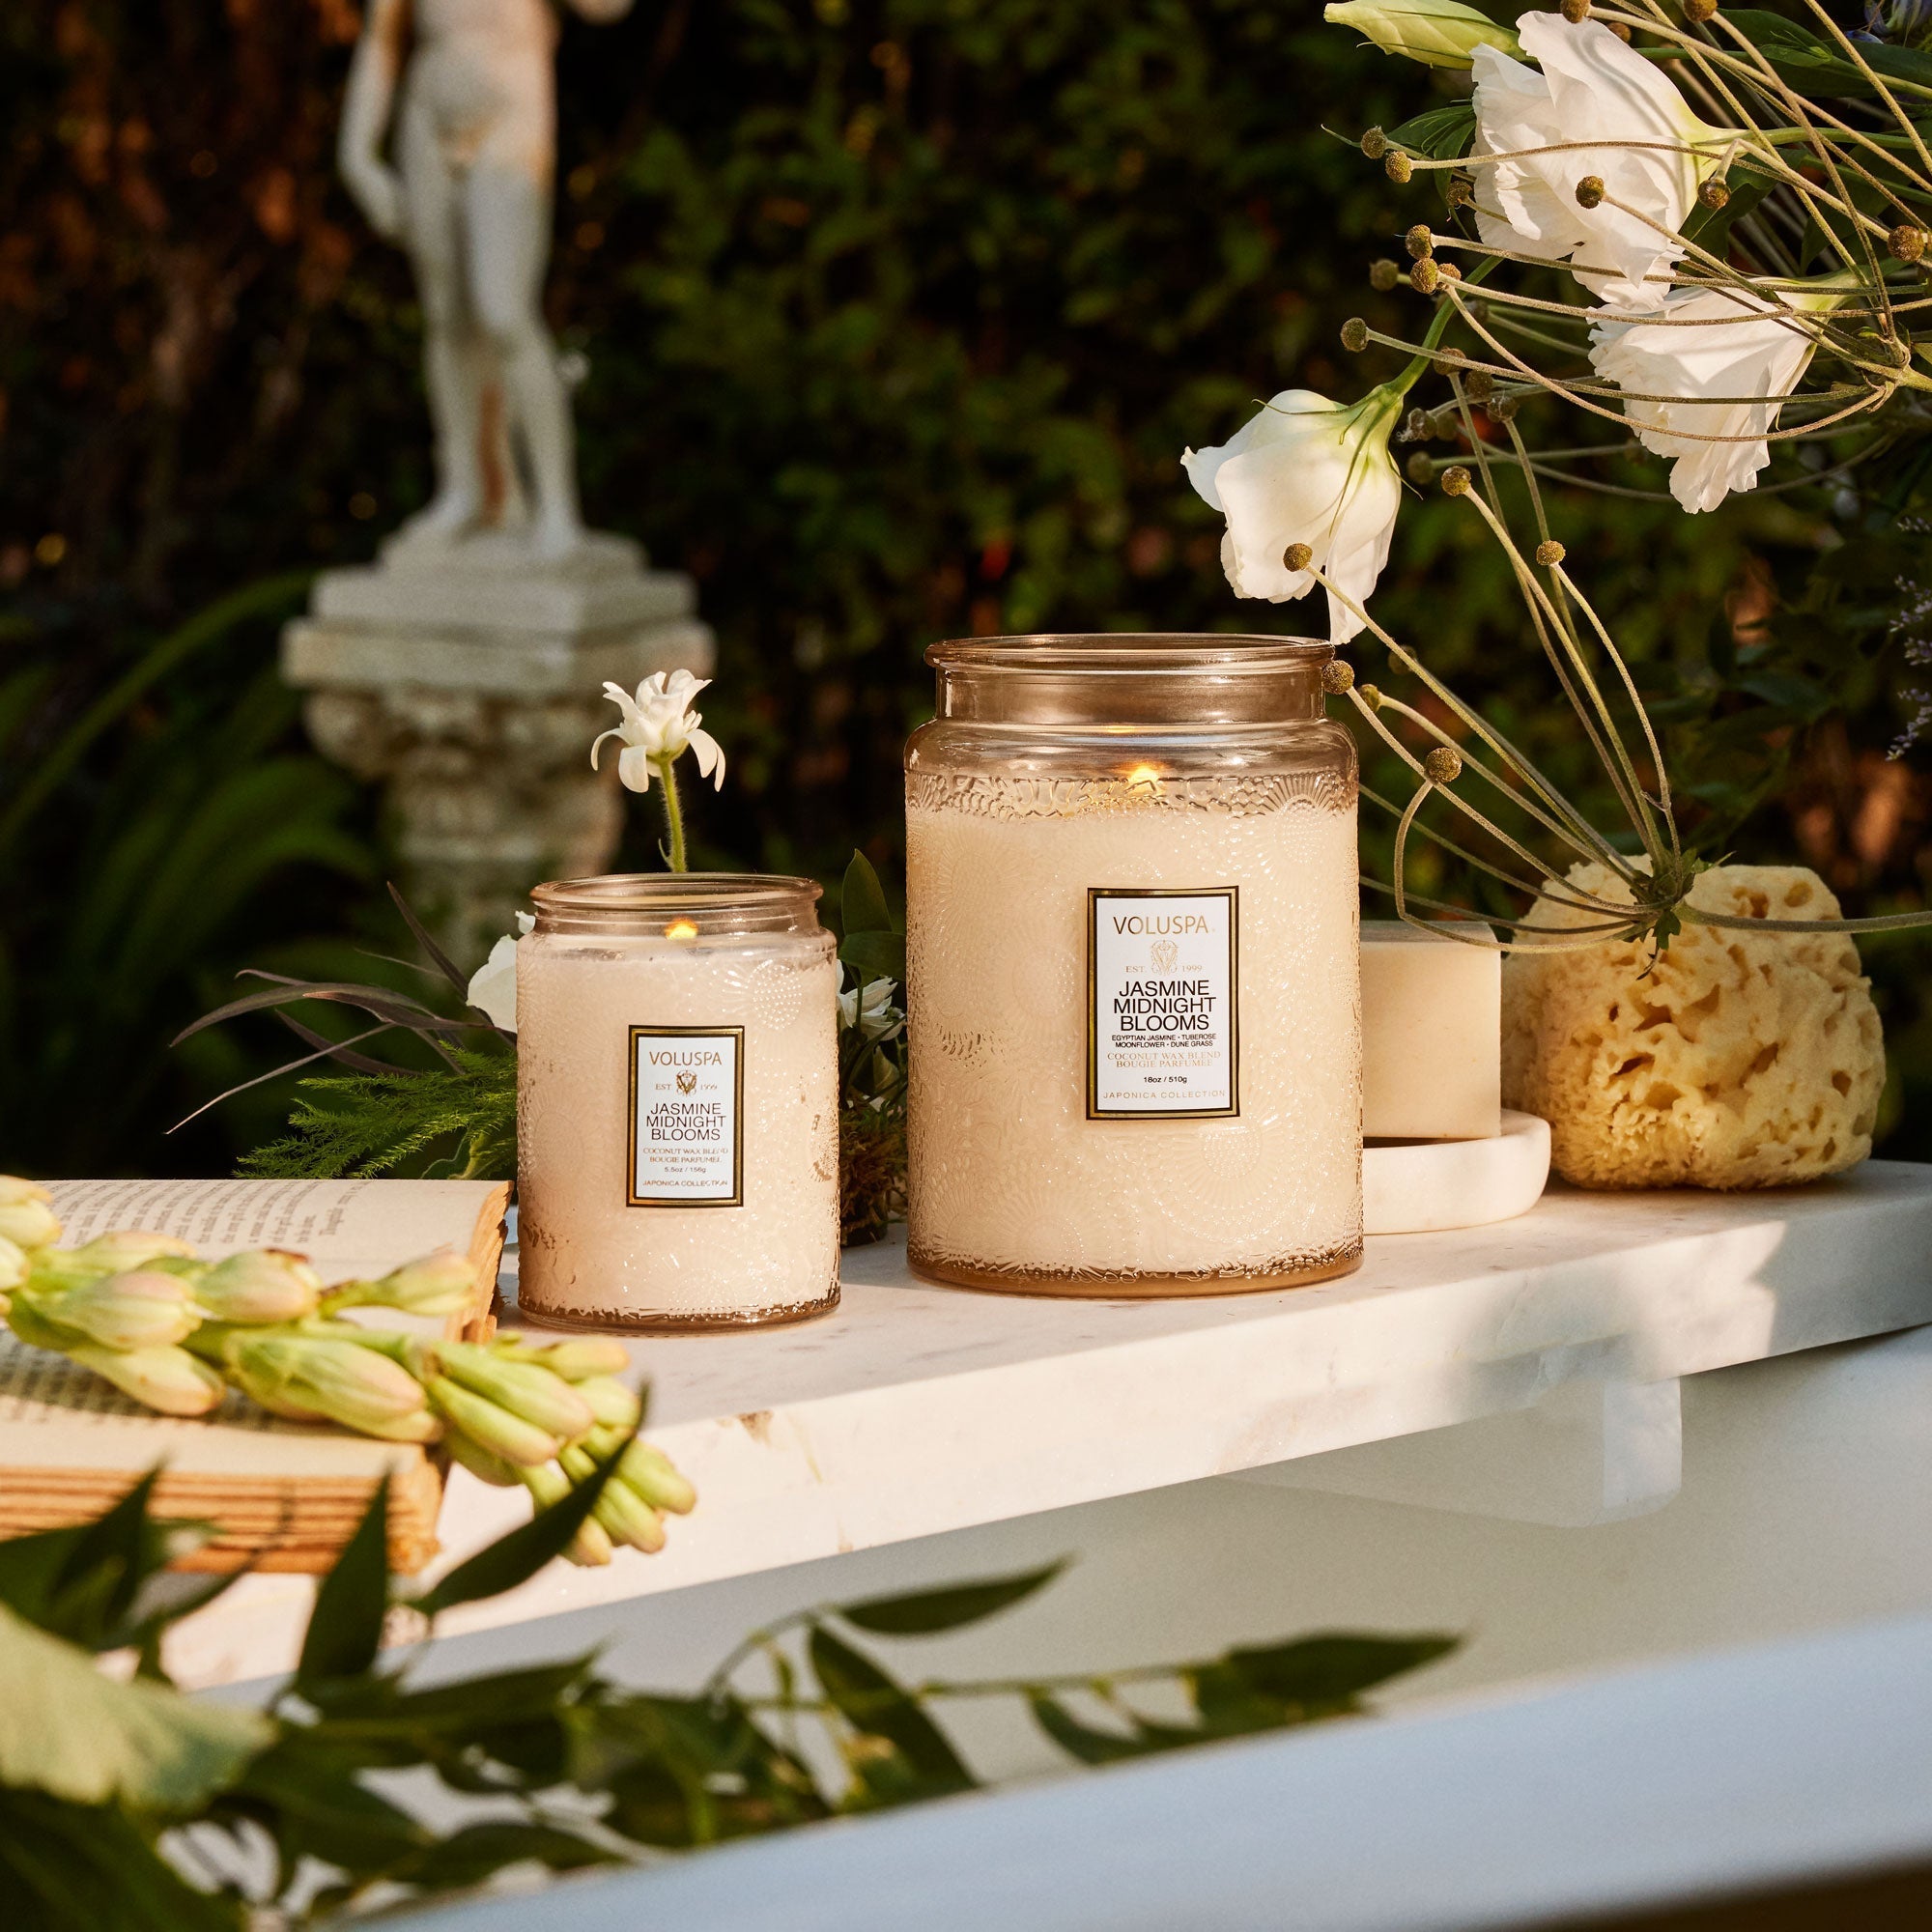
(678, 1103)
(1132, 968)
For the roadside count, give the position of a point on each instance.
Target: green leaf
(85, 1868)
(345, 1626)
(922, 1763)
(878, 956)
(1081, 1741)
(1330, 1670)
(862, 899)
(517, 1558)
(1441, 134)
(309, 1789)
(466, 1858)
(929, 1610)
(70, 1731)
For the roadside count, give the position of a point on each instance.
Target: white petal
(710, 754)
(634, 768)
(493, 986)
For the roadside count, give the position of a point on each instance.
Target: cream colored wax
(589, 1257)
(1013, 1184)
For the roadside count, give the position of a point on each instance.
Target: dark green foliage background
(898, 317)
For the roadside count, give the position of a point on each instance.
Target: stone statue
(469, 196)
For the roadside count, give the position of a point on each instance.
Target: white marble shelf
(915, 1410)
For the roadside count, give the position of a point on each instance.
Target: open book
(285, 1494)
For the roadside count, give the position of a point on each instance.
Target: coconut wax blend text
(1132, 968)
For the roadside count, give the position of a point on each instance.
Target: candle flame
(681, 928)
(1145, 775)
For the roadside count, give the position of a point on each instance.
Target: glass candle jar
(1133, 980)
(678, 1103)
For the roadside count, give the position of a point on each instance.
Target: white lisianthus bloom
(493, 986)
(1742, 347)
(659, 722)
(1313, 471)
(1438, 33)
(1594, 91)
(869, 1008)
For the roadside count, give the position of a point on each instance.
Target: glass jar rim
(656, 894)
(1131, 653)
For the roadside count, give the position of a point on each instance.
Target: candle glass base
(1136, 1284)
(601, 1322)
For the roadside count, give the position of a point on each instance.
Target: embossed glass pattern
(677, 1111)
(1061, 772)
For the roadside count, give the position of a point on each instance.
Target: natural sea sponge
(1739, 1059)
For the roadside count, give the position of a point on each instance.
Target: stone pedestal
(468, 679)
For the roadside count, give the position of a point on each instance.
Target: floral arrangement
(124, 1803)
(178, 1335)
(1634, 200)
(376, 1116)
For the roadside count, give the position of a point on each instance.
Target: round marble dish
(1421, 1188)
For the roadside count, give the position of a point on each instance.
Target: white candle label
(686, 1107)
(1162, 1026)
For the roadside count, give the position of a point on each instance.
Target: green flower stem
(674, 815)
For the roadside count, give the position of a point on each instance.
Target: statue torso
(479, 64)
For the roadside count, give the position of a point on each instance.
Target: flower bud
(1421, 470)
(125, 1248)
(549, 1486)
(1424, 276)
(577, 1361)
(656, 1478)
(1698, 11)
(15, 1188)
(1906, 242)
(532, 1390)
(438, 1284)
(1414, 427)
(1442, 766)
(1456, 481)
(1419, 241)
(13, 1265)
(165, 1378)
(505, 1434)
(321, 1378)
(1462, 192)
(1297, 556)
(140, 1309)
(1384, 275)
(262, 1286)
(625, 1516)
(1398, 166)
(1550, 552)
(1449, 271)
(614, 1404)
(1370, 695)
(1337, 677)
(1438, 33)
(29, 1223)
(1375, 144)
(1505, 409)
(1590, 192)
(1712, 193)
(479, 1461)
(1480, 385)
(1575, 12)
(1355, 334)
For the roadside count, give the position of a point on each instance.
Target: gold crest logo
(687, 1083)
(1163, 952)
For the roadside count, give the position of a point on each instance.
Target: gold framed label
(1163, 1003)
(687, 1117)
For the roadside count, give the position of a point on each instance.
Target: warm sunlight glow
(1145, 775)
(681, 928)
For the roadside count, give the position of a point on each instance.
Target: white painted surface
(1724, 1773)
(916, 1411)
(1427, 1187)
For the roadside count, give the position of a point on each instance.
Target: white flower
(659, 722)
(869, 1007)
(1592, 88)
(1306, 470)
(1743, 346)
(1438, 33)
(493, 986)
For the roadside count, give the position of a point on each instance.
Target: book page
(359, 1229)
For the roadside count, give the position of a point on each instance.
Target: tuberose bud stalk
(1437, 33)
(109, 1254)
(580, 1359)
(141, 1308)
(168, 1380)
(528, 1389)
(13, 1264)
(262, 1286)
(505, 1433)
(320, 1377)
(439, 1285)
(29, 1222)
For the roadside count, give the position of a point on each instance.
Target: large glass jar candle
(1132, 975)
(678, 1103)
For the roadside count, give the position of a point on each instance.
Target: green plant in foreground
(127, 1805)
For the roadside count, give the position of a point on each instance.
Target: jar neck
(677, 905)
(1151, 680)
